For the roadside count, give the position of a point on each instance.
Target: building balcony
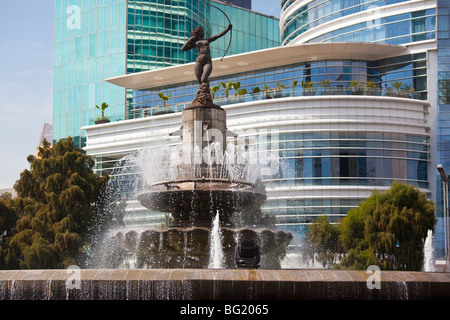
(137, 111)
(274, 93)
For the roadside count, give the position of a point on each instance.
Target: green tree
(293, 85)
(236, 87)
(397, 85)
(397, 226)
(214, 90)
(58, 201)
(388, 229)
(322, 242)
(227, 86)
(8, 219)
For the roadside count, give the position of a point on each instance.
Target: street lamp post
(445, 201)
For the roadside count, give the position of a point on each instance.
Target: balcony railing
(143, 111)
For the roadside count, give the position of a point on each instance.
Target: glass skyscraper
(247, 4)
(100, 39)
(443, 102)
(90, 44)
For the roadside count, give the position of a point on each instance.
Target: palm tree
(397, 85)
(255, 91)
(307, 84)
(103, 108)
(308, 88)
(325, 84)
(408, 90)
(242, 91)
(293, 85)
(214, 90)
(354, 86)
(267, 90)
(371, 88)
(236, 86)
(227, 87)
(102, 119)
(279, 88)
(164, 98)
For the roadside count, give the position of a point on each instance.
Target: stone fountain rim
(187, 229)
(202, 180)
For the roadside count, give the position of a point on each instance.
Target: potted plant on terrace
(227, 86)
(308, 88)
(407, 91)
(268, 91)
(280, 86)
(236, 87)
(164, 98)
(326, 86)
(355, 88)
(372, 88)
(102, 119)
(394, 90)
(214, 90)
(293, 85)
(255, 93)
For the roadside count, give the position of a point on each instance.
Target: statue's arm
(190, 44)
(217, 36)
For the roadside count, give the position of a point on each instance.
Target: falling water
(216, 252)
(164, 164)
(148, 167)
(429, 253)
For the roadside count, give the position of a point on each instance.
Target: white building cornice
(258, 60)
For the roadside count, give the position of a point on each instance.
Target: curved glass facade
(397, 29)
(402, 28)
(352, 158)
(340, 159)
(410, 70)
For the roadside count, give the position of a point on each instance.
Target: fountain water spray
(429, 259)
(216, 251)
(203, 183)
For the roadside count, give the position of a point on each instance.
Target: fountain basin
(199, 200)
(204, 284)
(190, 247)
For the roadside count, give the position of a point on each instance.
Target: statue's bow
(231, 31)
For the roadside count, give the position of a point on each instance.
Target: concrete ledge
(206, 284)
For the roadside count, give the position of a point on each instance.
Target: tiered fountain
(201, 191)
(204, 187)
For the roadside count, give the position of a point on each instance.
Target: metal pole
(444, 213)
(446, 221)
(444, 178)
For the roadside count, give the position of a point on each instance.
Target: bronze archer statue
(203, 63)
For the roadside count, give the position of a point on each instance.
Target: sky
(26, 78)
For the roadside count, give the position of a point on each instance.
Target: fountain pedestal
(202, 189)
